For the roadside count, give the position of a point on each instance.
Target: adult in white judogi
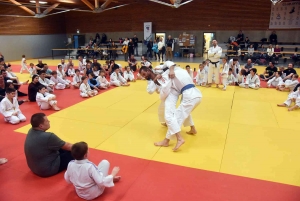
(63, 65)
(128, 75)
(275, 80)
(235, 66)
(214, 54)
(59, 82)
(45, 101)
(117, 79)
(61, 73)
(10, 108)
(183, 84)
(224, 73)
(103, 81)
(252, 80)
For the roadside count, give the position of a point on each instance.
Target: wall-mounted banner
(147, 31)
(285, 15)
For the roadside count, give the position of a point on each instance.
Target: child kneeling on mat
(88, 179)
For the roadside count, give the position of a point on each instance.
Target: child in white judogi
(9, 107)
(128, 75)
(23, 64)
(88, 179)
(289, 85)
(81, 65)
(230, 79)
(61, 73)
(201, 77)
(104, 84)
(96, 72)
(116, 79)
(234, 65)
(275, 80)
(46, 82)
(190, 72)
(77, 79)
(240, 78)
(292, 97)
(224, 73)
(71, 71)
(32, 70)
(13, 76)
(58, 81)
(45, 100)
(252, 80)
(85, 89)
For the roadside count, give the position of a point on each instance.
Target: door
(207, 40)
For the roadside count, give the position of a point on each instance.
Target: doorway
(162, 36)
(207, 40)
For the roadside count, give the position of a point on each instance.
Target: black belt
(214, 63)
(165, 69)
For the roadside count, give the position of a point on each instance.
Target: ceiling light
(41, 2)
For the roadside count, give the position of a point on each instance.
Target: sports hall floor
(246, 149)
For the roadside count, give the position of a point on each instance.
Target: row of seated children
(227, 76)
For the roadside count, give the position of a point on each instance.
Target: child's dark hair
(59, 66)
(254, 70)
(41, 87)
(203, 62)
(77, 70)
(295, 76)
(42, 71)
(23, 56)
(187, 66)
(79, 150)
(10, 90)
(83, 78)
(243, 71)
(54, 72)
(279, 73)
(230, 69)
(225, 58)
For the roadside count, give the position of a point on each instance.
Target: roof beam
(48, 10)
(86, 2)
(106, 3)
(96, 3)
(38, 9)
(23, 7)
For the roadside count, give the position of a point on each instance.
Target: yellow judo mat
(240, 131)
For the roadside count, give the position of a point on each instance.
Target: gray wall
(221, 36)
(33, 46)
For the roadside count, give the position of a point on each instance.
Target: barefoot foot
(281, 105)
(179, 143)
(164, 124)
(163, 143)
(192, 132)
(3, 160)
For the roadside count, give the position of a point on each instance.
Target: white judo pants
(201, 82)
(24, 67)
(129, 77)
(161, 112)
(213, 70)
(86, 95)
(60, 86)
(224, 82)
(291, 96)
(116, 83)
(104, 85)
(252, 86)
(182, 115)
(49, 104)
(15, 119)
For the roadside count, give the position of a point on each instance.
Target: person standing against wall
(135, 41)
(169, 43)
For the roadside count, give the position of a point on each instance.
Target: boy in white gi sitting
(275, 80)
(289, 85)
(117, 79)
(201, 77)
(85, 89)
(230, 79)
(45, 100)
(252, 80)
(292, 97)
(88, 179)
(104, 84)
(128, 75)
(9, 108)
(58, 81)
(46, 82)
(77, 79)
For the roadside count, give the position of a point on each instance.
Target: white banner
(285, 15)
(147, 31)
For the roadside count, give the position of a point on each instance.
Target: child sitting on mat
(46, 100)
(85, 89)
(88, 179)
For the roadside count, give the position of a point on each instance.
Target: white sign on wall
(285, 15)
(147, 31)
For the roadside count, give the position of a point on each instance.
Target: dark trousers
(65, 158)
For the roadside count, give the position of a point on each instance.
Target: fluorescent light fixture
(41, 2)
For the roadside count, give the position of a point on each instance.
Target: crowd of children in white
(90, 77)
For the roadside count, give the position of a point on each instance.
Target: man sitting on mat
(46, 154)
(88, 179)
